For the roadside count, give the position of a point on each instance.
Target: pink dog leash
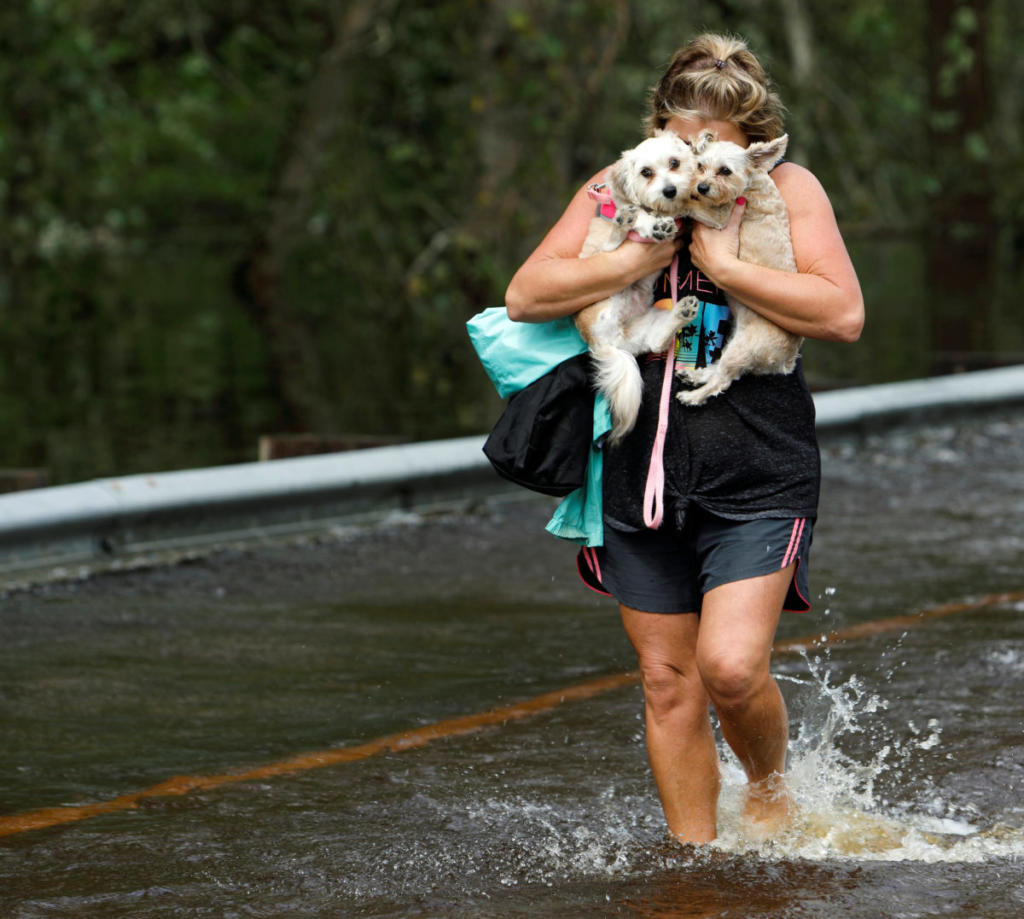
(654, 491)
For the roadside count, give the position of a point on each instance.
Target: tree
(222, 219)
(960, 238)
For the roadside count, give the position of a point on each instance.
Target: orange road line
(452, 727)
(892, 624)
(303, 762)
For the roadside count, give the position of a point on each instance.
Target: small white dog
(649, 186)
(724, 172)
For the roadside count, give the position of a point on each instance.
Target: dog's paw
(626, 216)
(695, 376)
(692, 396)
(663, 228)
(686, 309)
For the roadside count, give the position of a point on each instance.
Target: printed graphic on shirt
(700, 342)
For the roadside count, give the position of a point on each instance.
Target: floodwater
(907, 751)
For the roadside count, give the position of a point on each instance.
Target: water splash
(564, 807)
(548, 820)
(841, 809)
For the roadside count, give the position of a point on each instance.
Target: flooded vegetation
(212, 232)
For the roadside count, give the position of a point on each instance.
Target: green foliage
(144, 149)
(135, 165)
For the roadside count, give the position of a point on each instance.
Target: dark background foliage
(223, 219)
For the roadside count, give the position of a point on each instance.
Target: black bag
(542, 440)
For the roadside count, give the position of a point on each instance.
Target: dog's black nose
(669, 191)
(704, 188)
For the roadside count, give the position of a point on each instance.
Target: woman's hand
(554, 281)
(639, 259)
(715, 251)
(822, 298)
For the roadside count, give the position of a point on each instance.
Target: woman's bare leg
(738, 622)
(680, 742)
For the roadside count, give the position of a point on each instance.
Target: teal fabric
(579, 516)
(514, 354)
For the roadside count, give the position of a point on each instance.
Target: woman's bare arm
(823, 300)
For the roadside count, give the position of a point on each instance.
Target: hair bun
(698, 84)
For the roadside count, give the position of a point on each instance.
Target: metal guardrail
(107, 521)
(866, 407)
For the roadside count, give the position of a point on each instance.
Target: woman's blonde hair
(717, 78)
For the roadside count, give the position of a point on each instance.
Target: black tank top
(749, 452)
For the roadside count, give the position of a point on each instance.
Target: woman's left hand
(712, 251)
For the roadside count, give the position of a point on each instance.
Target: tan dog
(649, 186)
(726, 171)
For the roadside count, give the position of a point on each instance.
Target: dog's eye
(725, 171)
(647, 172)
(673, 164)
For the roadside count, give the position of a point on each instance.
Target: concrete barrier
(108, 521)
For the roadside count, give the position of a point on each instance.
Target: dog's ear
(618, 179)
(667, 132)
(700, 143)
(766, 153)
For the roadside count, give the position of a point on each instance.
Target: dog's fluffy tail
(617, 375)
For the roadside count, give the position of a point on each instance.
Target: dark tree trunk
(294, 357)
(960, 238)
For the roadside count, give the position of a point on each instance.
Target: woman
(701, 597)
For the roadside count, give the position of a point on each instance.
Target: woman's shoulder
(584, 196)
(566, 237)
(793, 175)
(799, 187)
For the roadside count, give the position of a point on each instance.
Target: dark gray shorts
(668, 571)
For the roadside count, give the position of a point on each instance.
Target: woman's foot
(769, 809)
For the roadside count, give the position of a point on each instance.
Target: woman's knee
(731, 676)
(670, 692)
